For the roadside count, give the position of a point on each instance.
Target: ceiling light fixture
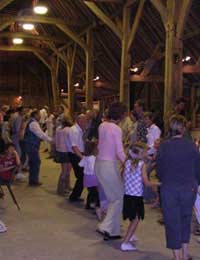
(97, 78)
(187, 58)
(134, 69)
(28, 26)
(40, 9)
(18, 40)
(76, 84)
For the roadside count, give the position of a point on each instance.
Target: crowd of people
(124, 159)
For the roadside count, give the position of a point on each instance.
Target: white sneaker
(133, 238)
(127, 247)
(20, 176)
(3, 228)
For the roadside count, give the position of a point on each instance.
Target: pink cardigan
(110, 147)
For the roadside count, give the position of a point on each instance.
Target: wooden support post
(89, 71)
(55, 87)
(125, 58)
(169, 92)
(71, 52)
(177, 12)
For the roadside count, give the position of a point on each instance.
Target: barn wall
(25, 77)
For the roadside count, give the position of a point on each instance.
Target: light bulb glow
(18, 41)
(28, 26)
(76, 85)
(97, 78)
(188, 58)
(134, 69)
(40, 9)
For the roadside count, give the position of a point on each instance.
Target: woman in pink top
(110, 150)
(62, 148)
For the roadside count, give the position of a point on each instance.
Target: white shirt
(36, 129)
(50, 125)
(133, 181)
(76, 138)
(153, 133)
(88, 163)
(43, 116)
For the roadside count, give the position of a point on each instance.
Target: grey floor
(48, 227)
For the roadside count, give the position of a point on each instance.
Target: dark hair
(90, 148)
(19, 109)
(116, 111)
(8, 145)
(140, 102)
(34, 113)
(150, 115)
(180, 100)
(66, 122)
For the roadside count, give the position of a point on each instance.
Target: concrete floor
(49, 228)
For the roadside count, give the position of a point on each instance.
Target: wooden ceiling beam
(183, 14)
(135, 24)
(191, 69)
(31, 36)
(31, 18)
(191, 34)
(42, 59)
(72, 35)
(4, 3)
(161, 9)
(4, 25)
(138, 78)
(19, 48)
(55, 50)
(103, 17)
(59, 23)
(129, 3)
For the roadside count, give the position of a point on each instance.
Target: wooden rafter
(59, 23)
(103, 17)
(55, 50)
(129, 3)
(150, 63)
(19, 48)
(4, 3)
(32, 37)
(43, 60)
(4, 25)
(161, 9)
(138, 78)
(183, 14)
(135, 24)
(191, 69)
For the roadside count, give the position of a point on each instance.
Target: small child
(9, 163)
(90, 180)
(135, 177)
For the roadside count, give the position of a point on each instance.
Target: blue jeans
(34, 163)
(177, 206)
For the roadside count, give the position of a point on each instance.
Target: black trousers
(78, 171)
(177, 206)
(92, 197)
